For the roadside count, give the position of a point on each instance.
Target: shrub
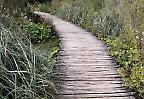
(39, 31)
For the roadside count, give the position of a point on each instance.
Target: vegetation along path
(88, 71)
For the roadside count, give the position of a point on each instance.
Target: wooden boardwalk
(86, 70)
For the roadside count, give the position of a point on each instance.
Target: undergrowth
(18, 56)
(24, 73)
(39, 31)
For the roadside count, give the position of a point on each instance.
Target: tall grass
(18, 55)
(24, 73)
(119, 23)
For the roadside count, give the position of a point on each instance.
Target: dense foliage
(39, 32)
(117, 22)
(24, 73)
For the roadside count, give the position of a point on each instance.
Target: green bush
(39, 31)
(124, 49)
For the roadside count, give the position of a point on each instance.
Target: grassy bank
(119, 23)
(24, 71)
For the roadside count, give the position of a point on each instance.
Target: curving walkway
(86, 70)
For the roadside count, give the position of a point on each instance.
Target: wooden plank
(93, 97)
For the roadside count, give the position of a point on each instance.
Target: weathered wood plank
(92, 97)
(85, 69)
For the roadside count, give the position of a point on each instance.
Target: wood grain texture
(85, 69)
